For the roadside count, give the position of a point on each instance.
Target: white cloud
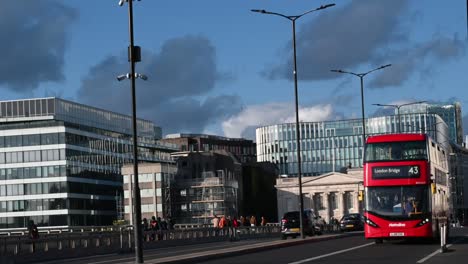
(273, 113)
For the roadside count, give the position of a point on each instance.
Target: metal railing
(65, 242)
(102, 241)
(59, 230)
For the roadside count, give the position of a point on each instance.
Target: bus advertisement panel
(402, 198)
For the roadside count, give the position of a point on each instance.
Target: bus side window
(396, 153)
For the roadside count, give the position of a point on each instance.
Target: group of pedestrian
(226, 221)
(252, 221)
(157, 226)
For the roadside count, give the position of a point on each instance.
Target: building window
(318, 201)
(348, 196)
(333, 203)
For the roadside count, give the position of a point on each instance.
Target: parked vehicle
(352, 222)
(290, 224)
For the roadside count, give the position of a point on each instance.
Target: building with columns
(332, 194)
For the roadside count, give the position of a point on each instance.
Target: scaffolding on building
(119, 205)
(167, 188)
(199, 199)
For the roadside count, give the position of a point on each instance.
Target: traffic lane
(389, 252)
(294, 253)
(355, 249)
(156, 253)
(457, 251)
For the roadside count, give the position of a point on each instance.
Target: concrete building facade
(155, 181)
(242, 149)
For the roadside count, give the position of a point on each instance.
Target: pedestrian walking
(253, 221)
(145, 227)
(154, 227)
(215, 221)
(33, 232)
(235, 226)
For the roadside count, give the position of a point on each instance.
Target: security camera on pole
(134, 55)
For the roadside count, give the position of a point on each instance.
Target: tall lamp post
(398, 106)
(361, 76)
(134, 55)
(298, 143)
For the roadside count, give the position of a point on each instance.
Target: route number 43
(413, 170)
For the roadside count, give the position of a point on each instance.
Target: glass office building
(450, 113)
(332, 145)
(60, 161)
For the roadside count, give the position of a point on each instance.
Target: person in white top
(215, 221)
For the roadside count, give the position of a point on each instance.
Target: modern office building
(329, 146)
(243, 149)
(458, 183)
(450, 113)
(60, 161)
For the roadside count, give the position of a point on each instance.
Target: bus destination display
(395, 172)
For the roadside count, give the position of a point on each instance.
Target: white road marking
(154, 252)
(438, 250)
(113, 260)
(432, 254)
(331, 254)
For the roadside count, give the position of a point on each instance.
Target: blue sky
(215, 67)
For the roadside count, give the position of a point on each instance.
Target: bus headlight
(423, 222)
(370, 222)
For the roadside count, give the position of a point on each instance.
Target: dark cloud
(34, 39)
(343, 37)
(360, 33)
(178, 76)
(407, 62)
(187, 114)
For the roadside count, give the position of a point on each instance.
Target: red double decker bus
(406, 186)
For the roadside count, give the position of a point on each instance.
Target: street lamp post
(133, 57)
(298, 143)
(361, 76)
(398, 106)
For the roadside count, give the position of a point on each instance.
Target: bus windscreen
(398, 202)
(396, 151)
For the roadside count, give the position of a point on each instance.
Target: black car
(290, 225)
(352, 222)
